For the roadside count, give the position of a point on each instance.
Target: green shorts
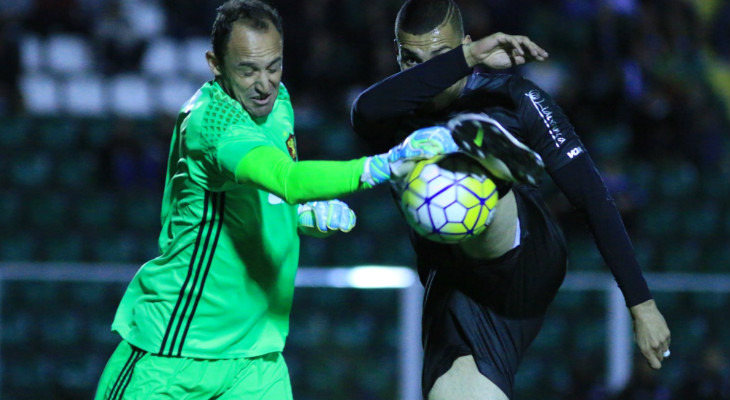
(132, 373)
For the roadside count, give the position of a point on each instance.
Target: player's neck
(225, 87)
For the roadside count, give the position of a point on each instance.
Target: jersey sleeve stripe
(189, 296)
(221, 208)
(173, 340)
(187, 277)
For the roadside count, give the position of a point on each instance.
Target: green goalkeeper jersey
(223, 284)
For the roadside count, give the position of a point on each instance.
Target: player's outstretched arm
(273, 170)
(323, 218)
(651, 332)
(500, 51)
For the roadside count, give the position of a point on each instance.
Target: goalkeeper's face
(250, 71)
(415, 49)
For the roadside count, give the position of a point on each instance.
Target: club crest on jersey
(291, 145)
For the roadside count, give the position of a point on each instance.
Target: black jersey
(388, 111)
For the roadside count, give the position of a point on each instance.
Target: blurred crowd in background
(655, 69)
(646, 84)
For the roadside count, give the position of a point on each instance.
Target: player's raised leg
(502, 234)
(486, 140)
(464, 382)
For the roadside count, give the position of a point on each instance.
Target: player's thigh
(133, 374)
(128, 375)
(113, 370)
(463, 381)
(261, 378)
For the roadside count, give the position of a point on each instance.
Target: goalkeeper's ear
(214, 63)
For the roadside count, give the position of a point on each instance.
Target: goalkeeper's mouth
(262, 100)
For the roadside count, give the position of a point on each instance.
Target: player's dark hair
(254, 13)
(422, 16)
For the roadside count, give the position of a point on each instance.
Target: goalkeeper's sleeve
(298, 182)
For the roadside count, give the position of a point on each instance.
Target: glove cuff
(305, 217)
(376, 170)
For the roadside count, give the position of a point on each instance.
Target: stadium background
(88, 92)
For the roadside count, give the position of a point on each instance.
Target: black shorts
(491, 309)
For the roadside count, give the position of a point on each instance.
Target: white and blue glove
(321, 218)
(421, 144)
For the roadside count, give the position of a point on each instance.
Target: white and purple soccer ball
(448, 199)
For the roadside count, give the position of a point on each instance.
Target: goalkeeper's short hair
(254, 13)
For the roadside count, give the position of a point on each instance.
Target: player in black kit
(486, 298)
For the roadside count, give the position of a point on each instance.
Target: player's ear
(467, 39)
(213, 63)
(397, 49)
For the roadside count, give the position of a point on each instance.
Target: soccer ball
(449, 198)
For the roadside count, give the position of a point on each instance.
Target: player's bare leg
(464, 382)
(502, 234)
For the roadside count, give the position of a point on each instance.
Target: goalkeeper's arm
(299, 182)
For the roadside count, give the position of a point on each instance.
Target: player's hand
(500, 51)
(321, 218)
(651, 332)
(422, 144)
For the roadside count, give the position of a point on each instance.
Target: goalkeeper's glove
(421, 144)
(320, 218)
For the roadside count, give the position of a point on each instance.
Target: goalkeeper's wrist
(376, 170)
(305, 216)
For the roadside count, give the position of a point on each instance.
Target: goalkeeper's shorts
(134, 374)
(493, 309)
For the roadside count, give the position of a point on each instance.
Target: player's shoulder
(214, 112)
(224, 108)
(283, 110)
(487, 81)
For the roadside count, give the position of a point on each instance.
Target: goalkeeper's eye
(274, 67)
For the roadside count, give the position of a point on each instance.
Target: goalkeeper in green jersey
(208, 318)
